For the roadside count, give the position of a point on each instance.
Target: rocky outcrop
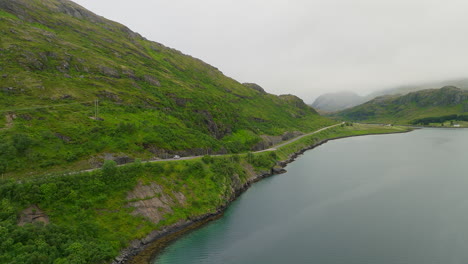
(31, 215)
(218, 130)
(63, 137)
(108, 71)
(269, 141)
(159, 238)
(152, 80)
(255, 87)
(151, 202)
(109, 95)
(266, 142)
(9, 117)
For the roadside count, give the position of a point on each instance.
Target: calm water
(388, 199)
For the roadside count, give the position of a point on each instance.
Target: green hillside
(423, 107)
(78, 91)
(57, 59)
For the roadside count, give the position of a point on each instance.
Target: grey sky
(308, 47)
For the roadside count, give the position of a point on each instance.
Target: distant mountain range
(332, 102)
(413, 108)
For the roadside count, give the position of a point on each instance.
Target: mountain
(331, 102)
(76, 89)
(405, 89)
(447, 103)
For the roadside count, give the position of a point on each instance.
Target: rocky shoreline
(141, 251)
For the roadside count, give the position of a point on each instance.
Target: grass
(407, 109)
(91, 220)
(154, 101)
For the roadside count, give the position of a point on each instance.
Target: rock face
(33, 215)
(151, 202)
(255, 87)
(269, 141)
(152, 80)
(183, 226)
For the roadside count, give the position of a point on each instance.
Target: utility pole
(96, 110)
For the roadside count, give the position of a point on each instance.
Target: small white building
(456, 125)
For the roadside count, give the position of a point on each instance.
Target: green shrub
(22, 142)
(109, 170)
(207, 159)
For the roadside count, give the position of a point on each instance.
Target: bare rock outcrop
(31, 215)
(151, 202)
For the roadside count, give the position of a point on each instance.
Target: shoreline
(142, 251)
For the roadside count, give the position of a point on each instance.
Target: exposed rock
(63, 67)
(291, 134)
(215, 129)
(107, 71)
(66, 96)
(9, 119)
(266, 142)
(26, 117)
(152, 80)
(8, 89)
(258, 119)
(31, 61)
(183, 226)
(63, 137)
(33, 215)
(109, 95)
(151, 202)
(129, 73)
(97, 119)
(123, 160)
(178, 100)
(118, 158)
(255, 87)
(278, 170)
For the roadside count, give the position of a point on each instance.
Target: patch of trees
(440, 119)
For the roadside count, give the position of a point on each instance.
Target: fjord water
(387, 199)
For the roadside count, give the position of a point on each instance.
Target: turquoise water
(386, 199)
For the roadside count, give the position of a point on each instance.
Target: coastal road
(265, 150)
(194, 157)
(297, 138)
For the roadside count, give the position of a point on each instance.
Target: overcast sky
(308, 47)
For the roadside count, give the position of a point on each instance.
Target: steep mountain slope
(76, 88)
(412, 107)
(332, 102)
(405, 89)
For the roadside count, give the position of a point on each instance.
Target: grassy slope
(90, 228)
(408, 108)
(154, 101)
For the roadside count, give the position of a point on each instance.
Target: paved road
(194, 157)
(297, 138)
